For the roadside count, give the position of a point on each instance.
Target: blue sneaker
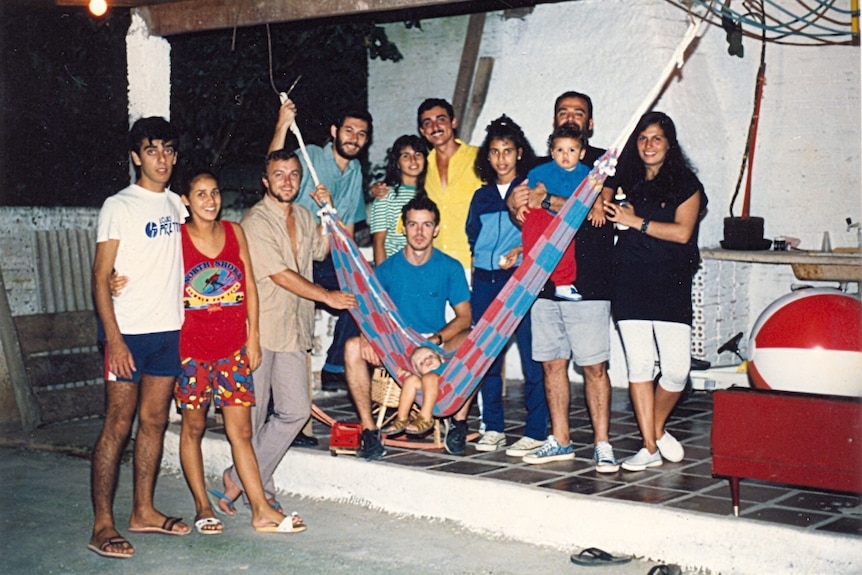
(456, 437)
(551, 450)
(371, 446)
(603, 455)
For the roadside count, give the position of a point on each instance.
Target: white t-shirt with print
(150, 254)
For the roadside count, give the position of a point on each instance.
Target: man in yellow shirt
(450, 181)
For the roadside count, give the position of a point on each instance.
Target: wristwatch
(546, 203)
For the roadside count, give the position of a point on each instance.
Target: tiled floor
(687, 485)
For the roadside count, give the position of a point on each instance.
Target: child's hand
(403, 373)
(597, 214)
(521, 213)
(510, 259)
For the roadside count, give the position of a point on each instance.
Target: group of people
(206, 311)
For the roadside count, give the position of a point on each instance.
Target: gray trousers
(285, 376)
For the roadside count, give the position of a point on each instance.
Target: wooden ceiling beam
(179, 17)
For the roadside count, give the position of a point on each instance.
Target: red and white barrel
(809, 341)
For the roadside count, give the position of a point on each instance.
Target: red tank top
(214, 300)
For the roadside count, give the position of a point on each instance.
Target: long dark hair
(393, 168)
(630, 167)
(504, 128)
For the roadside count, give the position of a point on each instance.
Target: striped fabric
(393, 341)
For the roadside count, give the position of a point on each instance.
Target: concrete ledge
(551, 518)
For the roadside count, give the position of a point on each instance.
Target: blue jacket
(490, 231)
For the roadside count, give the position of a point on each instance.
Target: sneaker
(551, 450)
(670, 448)
(371, 446)
(456, 437)
(524, 446)
(604, 457)
(641, 460)
(491, 441)
(569, 292)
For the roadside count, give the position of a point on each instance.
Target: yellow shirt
(454, 202)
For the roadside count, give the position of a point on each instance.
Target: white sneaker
(641, 460)
(491, 441)
(568, 292)
(523, 446)
(670, 448)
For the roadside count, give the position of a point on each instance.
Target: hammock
(393, 340)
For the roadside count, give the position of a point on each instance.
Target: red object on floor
(784, 437)
(345, 436)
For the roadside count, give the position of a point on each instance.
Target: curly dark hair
(504, 128)
(393, 168)
(630, 167)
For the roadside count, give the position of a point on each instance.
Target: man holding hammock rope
(338, 168)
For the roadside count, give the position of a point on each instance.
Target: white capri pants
(646, 341)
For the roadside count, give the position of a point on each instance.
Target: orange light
(98, 7)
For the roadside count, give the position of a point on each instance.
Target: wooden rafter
(168, 17)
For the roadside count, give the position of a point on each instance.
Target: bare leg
(237, 423)
(558, 395)
(408, 396)
(121, 399)
(430, 390)
(643, 400)
(597, 389)
(358, 382)
(155, 397)
(664, 403)
(193, 429)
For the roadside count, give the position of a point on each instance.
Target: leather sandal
(397, 428)
(422, 426)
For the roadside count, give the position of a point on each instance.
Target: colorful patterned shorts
(229, 378)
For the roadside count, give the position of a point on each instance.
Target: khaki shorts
(579, 330)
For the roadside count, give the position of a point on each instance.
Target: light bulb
(98, 7)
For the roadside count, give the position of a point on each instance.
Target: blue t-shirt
(558, 181)
(344, 187)
(421, 292)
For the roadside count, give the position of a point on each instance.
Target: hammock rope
(393, 340)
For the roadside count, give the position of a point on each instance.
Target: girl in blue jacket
(503, 162)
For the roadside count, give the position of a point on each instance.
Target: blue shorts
(154, 354)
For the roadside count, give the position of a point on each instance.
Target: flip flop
(207, 522)
(222, 497)
(665, 570)
(102, 549)
(166, 528)
(286, 526)
(594, 556)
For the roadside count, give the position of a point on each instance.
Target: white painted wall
(806, 176)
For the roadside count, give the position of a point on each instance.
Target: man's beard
(339, 147)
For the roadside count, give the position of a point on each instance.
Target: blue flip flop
(593, 556)
(221, 497)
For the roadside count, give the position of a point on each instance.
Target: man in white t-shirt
(139, 237)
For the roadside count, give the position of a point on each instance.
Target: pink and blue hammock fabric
(393, 341)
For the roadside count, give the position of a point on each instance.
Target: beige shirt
(286, 320)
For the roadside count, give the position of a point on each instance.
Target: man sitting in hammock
(420, 281)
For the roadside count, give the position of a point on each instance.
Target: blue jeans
(324, 275)
(486, 286)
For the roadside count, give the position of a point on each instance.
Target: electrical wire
(822, 23)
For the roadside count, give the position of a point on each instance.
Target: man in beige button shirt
(283, 240)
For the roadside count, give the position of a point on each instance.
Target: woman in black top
(654, 262)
